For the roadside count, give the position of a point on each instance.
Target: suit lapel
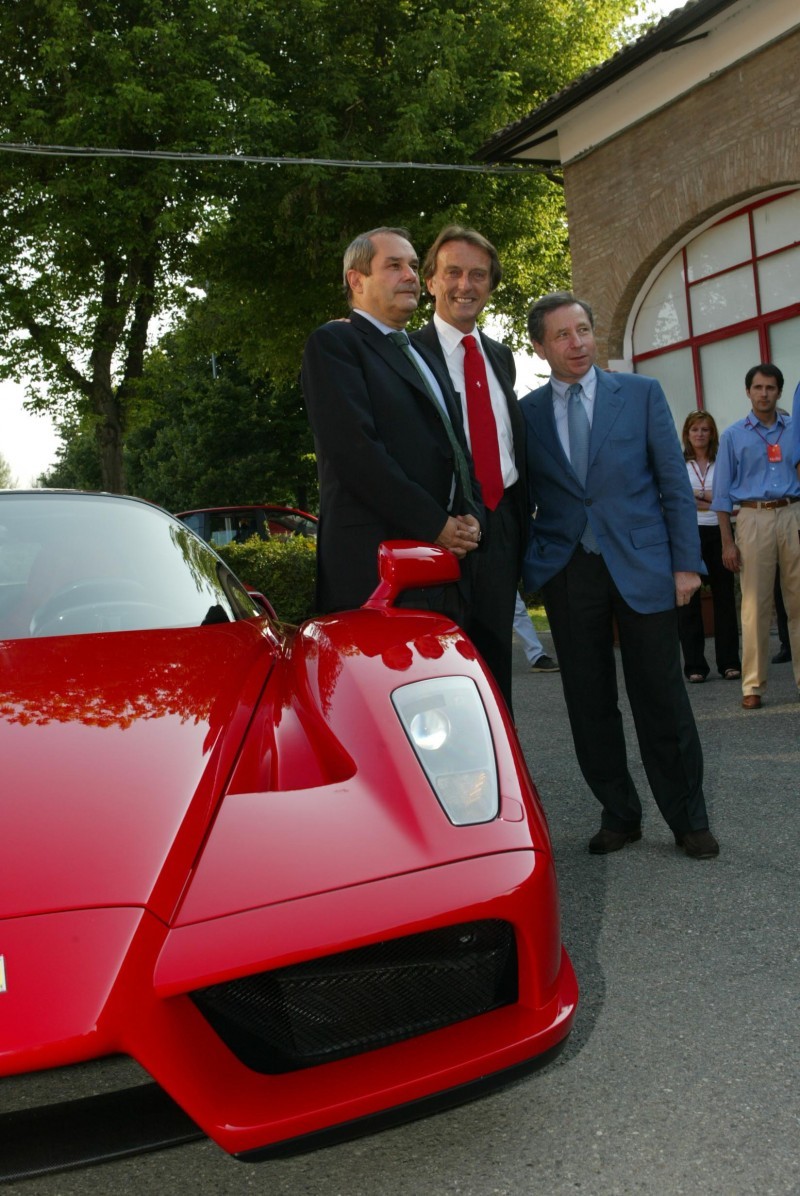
(390, 353)
(426, 342)
(608, 403)
(499, 369)
(400, 364)
(542, 418)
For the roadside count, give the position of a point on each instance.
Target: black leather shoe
(605, 841)
(700, 845)
(783, 656)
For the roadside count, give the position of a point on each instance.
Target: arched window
(728, 299)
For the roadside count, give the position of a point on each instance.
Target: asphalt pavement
(681, 1074)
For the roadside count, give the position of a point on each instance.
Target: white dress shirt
(450, 339)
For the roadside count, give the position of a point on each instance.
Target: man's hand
(460, 534)
(731, 557)
(686, 584)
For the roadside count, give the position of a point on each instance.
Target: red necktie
(482, 424)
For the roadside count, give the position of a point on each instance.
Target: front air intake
(341, 1005)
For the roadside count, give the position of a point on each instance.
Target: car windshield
(77, 564)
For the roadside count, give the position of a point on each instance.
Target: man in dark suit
(614, 538)
(461, 270)
(391, 453)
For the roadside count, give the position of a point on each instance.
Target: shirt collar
(752, 422)
(384, 328)
(588, 382)
(450, 337)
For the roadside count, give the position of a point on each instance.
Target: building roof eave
(671, 32)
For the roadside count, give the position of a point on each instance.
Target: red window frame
(760, 323)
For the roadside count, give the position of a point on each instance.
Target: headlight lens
(447, 726)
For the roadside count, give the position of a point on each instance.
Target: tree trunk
(109, 435)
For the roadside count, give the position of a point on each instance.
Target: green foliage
(77, 465)
(395, 81)
(282, 569)
(7, 481)
(93, 251)
(207, 435)
(91, 248)
(539, 616)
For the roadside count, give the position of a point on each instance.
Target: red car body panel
(260, 815)
(190, 805)
(161, 734)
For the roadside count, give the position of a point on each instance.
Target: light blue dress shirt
(588, 384)
(743, 469)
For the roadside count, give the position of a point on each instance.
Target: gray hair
(361, 251)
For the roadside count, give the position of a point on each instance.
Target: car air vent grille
(342, 1005)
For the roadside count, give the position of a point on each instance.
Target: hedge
(283, 568)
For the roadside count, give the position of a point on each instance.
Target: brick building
(681, 167)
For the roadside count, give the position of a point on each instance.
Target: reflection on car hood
(114, 751)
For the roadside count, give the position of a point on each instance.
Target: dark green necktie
(401, 340)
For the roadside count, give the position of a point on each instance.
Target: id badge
(774, 452)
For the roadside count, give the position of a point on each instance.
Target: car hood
(115, 749)
(328, 793)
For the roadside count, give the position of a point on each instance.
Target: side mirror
(409, 565)
(263, 602)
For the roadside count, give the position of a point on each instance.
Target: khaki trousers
(767, 539)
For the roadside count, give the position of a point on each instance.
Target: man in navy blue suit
(392, 457)
(614, 540)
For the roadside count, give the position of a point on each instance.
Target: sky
(29, 442)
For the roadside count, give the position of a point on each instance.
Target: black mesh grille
(344, 1004)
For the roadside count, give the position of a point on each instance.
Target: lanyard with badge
(773, 450)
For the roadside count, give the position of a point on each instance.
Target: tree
(93, 251)
(215, 436)
(7, 481)
(91, 248)
(395, 81)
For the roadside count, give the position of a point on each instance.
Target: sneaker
(545, 664)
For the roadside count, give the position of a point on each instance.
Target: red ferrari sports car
(300, 875)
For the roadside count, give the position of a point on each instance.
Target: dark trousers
(582, 603)
(494, 589)
(726, 624)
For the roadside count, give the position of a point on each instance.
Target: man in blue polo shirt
(755, 471)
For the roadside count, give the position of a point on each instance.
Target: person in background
(700, 444)
(536, 656)
(756, 472)
(784, 653)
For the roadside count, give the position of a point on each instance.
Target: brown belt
(769, 505)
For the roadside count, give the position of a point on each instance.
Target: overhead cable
(87, 151)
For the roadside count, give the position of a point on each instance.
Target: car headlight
(447, 726)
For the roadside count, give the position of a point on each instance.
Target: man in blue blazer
(614, 540)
